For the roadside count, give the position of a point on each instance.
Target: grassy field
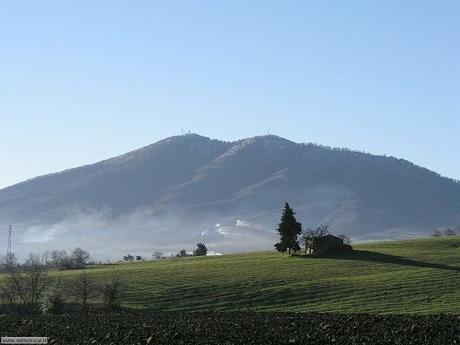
(415, 276)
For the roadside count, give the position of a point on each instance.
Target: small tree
(83, 288)
(138, 258)
(200, 250)
(437, 233)
(288, 230)
(182, 253)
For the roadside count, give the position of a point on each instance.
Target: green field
(414, 276)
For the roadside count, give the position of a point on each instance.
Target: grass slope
(415, 276)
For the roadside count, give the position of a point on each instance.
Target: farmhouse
(325, 244)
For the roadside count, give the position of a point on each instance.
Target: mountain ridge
(196, 182)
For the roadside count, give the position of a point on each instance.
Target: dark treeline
(29, 289)
(58, 259)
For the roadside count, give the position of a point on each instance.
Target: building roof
(330, 236)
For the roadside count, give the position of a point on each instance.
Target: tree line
(445, 232)
(57, 259)
(200, 250)
(29, 289)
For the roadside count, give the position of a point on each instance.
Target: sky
(82, 81)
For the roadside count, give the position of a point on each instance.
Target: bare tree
(46, 258)
(305, 238)
(80, 257)
(310, 236)
(59, 259)
(83, 288)
(26, 284)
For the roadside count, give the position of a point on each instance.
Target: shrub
(83, 288)
(52, 301)
(111, 291)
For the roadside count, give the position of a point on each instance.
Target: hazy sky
(81, 81)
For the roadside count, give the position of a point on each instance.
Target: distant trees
(445, 232)
(79, 257)
(289, 229)
(130, 258)
(10, 259)
(157, 255)
(27, 288)
(59, 259)
(449, 232)
(7, 262)
(200, 250)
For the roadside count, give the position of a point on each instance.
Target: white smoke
(109, 237)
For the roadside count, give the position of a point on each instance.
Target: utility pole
(8, 252)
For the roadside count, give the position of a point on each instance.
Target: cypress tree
(288, 229)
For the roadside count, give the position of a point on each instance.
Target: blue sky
(81, 81)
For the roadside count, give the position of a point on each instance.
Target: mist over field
(140, 233)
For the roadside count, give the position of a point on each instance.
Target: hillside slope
(414, 276)
(182, 187)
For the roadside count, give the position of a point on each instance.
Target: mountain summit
(191, 184)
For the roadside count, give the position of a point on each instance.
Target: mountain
(186, 188)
